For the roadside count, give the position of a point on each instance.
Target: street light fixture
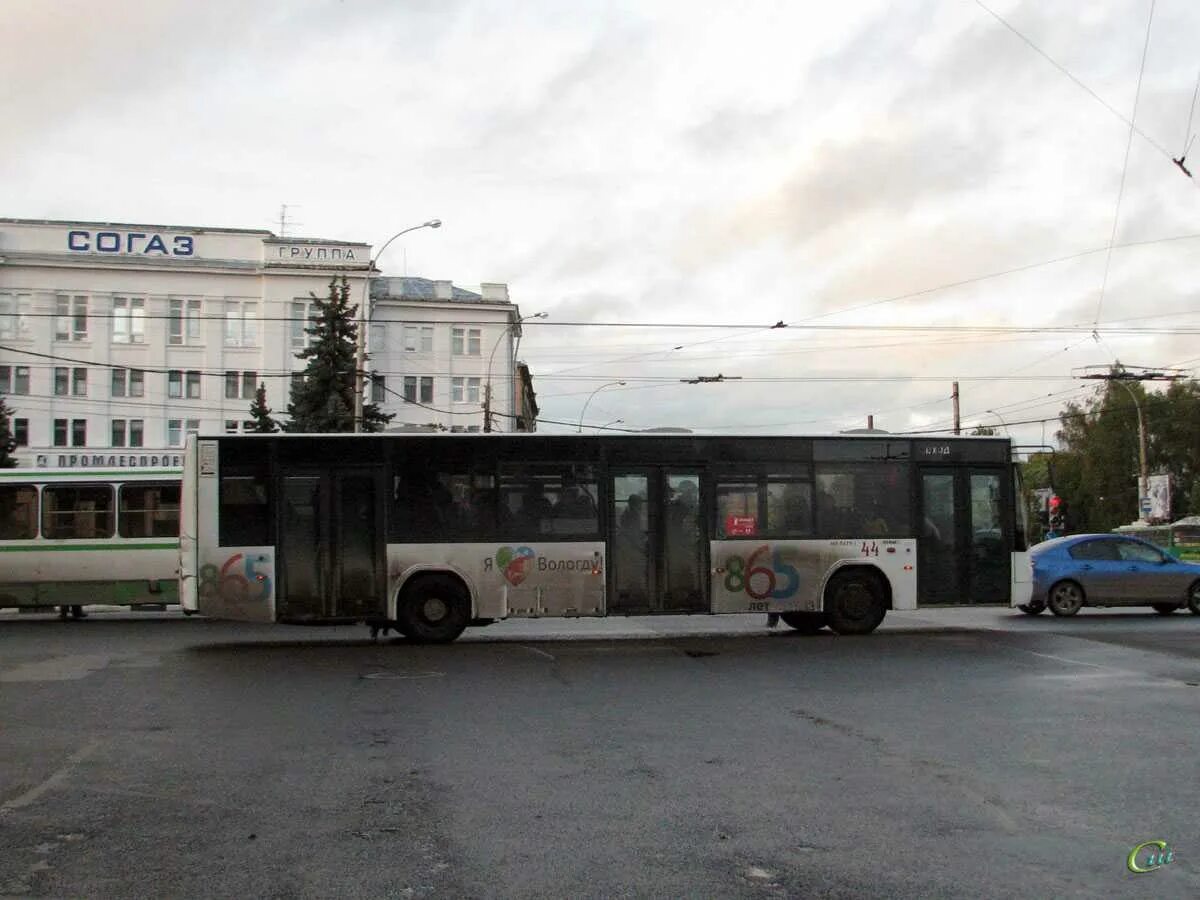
(1001, 418)
(487, 388)
(360, 344)
(613, 422)
(589, 400)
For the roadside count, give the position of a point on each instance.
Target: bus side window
(79, 511)
(148, 510)
(18, 512)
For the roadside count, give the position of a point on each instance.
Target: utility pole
(954, 396)
(1123, 377)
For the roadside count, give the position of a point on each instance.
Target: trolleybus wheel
(433, 609)
(1165, 609)
(1193, 602)
(805, 622)
(1066, 598)
(1036, 608)
(854, 603)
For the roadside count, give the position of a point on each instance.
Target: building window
(410, 388)
(183, 321)
(62, 382)
(20, 432)
(426, 338)
(129, 320)
(231, 426)
(426, 389)
(303, 315)
(79, 382)
(297, 382)
(137, 431)
(246, 391)
(174, 432)
(14, 379)
(464, 389)
(378, 388)
(411, 338)
(464, 341)
(128, 383)
(70, 319)
(174, 385)
(241, 323)
(14, 316)
(60, 432)
(118, 433)
(79, 432)
(193, 385)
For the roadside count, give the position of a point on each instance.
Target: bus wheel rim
(434, 609)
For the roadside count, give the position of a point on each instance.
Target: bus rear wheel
(854, 603)
(805, 622)
(433, 609)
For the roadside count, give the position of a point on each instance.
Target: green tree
(261, 413)
(8, 442)
(322, 399)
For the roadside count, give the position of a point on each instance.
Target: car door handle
(1086, 567)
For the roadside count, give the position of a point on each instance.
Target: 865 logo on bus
(233, 586)
(763, 576)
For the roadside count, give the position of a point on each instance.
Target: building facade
(116, 340)
(438, 352)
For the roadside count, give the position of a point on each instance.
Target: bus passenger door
(332, 557)
(658, 549)
(963, 543)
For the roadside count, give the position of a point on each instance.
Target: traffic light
(1058, 512)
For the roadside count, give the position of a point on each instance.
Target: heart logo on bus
(513, 563)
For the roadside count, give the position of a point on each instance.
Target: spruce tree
(8, 442)
(261, 413)
(323, 399)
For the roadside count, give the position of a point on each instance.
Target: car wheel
(1036, 608)
(1193, 602)
(854, 603)
(1066, 598)
(1165, 609)
(805, 622)
(434, 609)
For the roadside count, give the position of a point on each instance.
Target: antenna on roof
(284, 222)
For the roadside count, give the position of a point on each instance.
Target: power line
(1125, 164)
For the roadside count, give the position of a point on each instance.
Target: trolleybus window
(18, 512)
(775, 505)
(149, 509)
(558, 499)
(442, 504)
(78, 511)
(868, 500)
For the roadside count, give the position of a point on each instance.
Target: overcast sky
(670, 163)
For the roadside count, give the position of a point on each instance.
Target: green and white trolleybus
(430, 534)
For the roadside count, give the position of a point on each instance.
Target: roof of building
(404, 287)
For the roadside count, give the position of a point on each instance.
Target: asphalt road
(971, 753)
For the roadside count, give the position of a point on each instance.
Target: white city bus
(430, 534)
(71, 537)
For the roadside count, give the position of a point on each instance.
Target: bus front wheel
(805, 622)
(854, 603)
(433, 609)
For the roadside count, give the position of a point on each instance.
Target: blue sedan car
(1070, 573)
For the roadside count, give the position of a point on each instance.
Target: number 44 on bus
(432, 534)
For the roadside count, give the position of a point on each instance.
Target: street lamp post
(360, 344)
(583, 411)
(487, 388)
(1143, 469)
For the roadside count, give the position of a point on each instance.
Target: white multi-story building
(438, 351)
(116, 340)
